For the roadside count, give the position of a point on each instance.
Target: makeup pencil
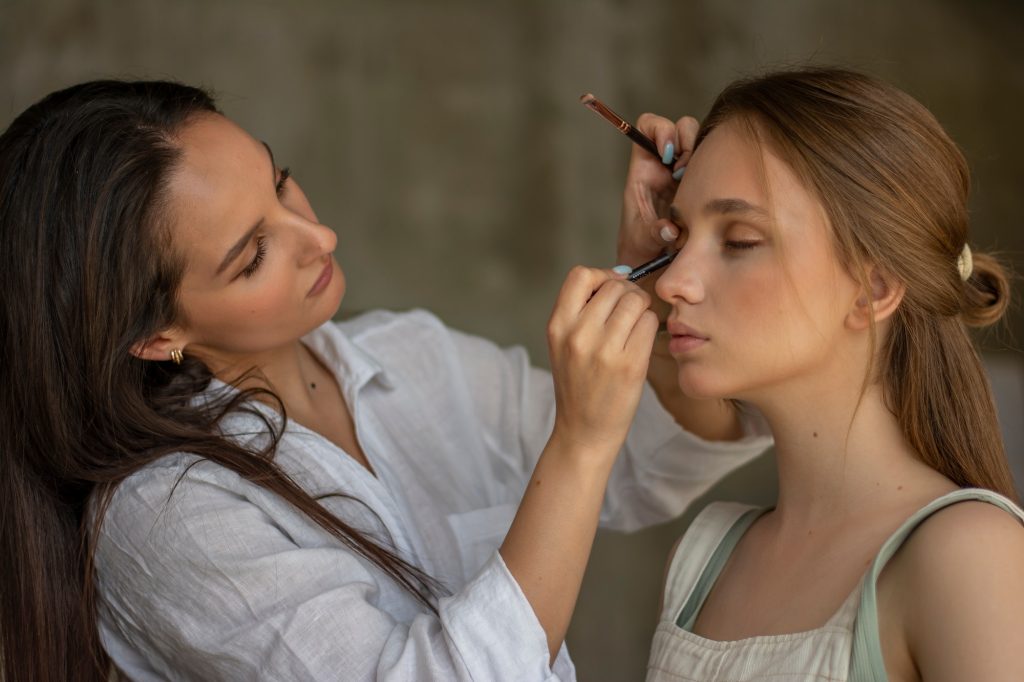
(641, 140)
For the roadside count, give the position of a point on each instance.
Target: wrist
(591, 453)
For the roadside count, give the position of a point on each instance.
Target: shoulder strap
(696, 553)
(866, 662)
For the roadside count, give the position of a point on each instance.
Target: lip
(323, 280)
(684, 339)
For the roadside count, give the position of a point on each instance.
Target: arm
(225, 581)
(599, 336)
(661, 468)
(956, 591)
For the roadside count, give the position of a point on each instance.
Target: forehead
(212, 189)
(731, 163)
(213, 150)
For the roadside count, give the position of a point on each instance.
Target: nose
(314, 241)
(681, 281)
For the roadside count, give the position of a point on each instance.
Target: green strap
(716, 563)
(866, 662)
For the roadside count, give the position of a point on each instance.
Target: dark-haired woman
(204, 478)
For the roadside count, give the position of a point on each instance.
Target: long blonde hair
(894, 187)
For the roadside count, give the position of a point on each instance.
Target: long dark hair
(895, 189)
(87, 271)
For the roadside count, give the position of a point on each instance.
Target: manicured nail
(679, 173)
(622, 269)
(670, 151)
(668, 234)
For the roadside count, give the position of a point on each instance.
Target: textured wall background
(444, 143)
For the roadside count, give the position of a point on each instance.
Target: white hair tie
(965, 263)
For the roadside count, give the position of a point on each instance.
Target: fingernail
(622, 269)
(670, 151)
(668, 234)
(679, 173)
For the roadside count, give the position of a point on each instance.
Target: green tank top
(866, 663)
(847, 647)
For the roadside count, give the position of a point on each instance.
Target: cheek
(248, 319)
(767, 327)
(755, 298)
(791, 325)
(262, 304)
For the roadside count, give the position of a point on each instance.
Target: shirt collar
(351, 362)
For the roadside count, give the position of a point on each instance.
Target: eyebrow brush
(646, 143)
(626, 128)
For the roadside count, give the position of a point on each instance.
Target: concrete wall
(444, 143)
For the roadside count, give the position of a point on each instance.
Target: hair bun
(986, 292)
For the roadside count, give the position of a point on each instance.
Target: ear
(158, 347)
(878, 304)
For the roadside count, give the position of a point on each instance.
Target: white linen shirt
(217, 578)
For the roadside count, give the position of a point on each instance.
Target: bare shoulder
(966, 538)
(961, 575)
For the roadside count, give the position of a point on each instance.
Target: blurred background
(444, 142)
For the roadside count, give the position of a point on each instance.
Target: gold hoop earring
(177, 356)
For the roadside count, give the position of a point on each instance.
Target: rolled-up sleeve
(211, 584)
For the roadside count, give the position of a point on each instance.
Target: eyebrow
(724, 206)
(239, 246)
(734, 206)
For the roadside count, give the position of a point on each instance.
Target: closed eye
(742, 245)
(285, 174)
(261, 252)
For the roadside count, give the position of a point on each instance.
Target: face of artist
(758, 296)
(256, 255)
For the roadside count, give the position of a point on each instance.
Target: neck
(841, 453)
(292, 372)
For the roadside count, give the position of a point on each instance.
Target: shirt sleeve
(662, 467)
(206, 584)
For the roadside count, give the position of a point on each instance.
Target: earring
(177, 356)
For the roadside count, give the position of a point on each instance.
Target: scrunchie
(965, 263)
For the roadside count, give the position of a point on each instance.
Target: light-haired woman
(826, 276)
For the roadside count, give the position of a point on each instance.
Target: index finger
(579, 286)
(664, 133)
(686, 132)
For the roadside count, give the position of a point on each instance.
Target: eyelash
(261, 251)
(741, 246)
(285, 174)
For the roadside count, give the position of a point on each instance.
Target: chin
(698, 382)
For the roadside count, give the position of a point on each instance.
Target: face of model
(758, 295)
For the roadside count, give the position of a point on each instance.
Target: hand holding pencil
(661, 151)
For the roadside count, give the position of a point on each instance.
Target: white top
(222, 580)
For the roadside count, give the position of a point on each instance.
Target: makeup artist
(203, 477)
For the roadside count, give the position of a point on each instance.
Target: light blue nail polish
(622, 269)
(679, 173)
(670, 151)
